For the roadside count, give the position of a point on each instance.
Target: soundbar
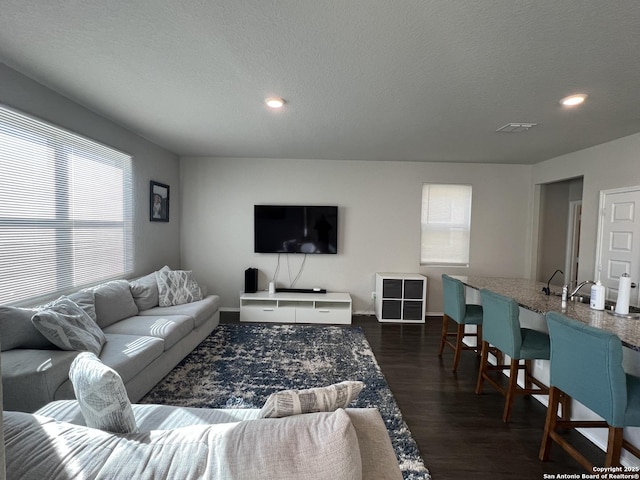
(301, 290)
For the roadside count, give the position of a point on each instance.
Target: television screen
(296, 229)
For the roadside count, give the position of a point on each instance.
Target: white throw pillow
(69, 327)
(176, 287)
(101, 395)
(322, 399)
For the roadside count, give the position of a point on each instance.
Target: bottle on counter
(565, 293)
(597, 296)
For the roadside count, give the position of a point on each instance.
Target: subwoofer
(251, 280)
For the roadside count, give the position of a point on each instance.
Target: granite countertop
(529, 295)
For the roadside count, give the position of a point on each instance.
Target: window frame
(69, 267)
(456, 232)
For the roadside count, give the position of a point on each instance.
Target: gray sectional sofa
(144, 342)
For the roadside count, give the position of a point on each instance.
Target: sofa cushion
(85, 299)
(321, 446)
(39, 447)
(171, 328)
(101, 395)
(69, 327)
(322, 399)
(176, 287)
(30, 378)
(145, 290)
(130, 354)
(114, 302)
(200, 311)
(155, 417)
(17, 331)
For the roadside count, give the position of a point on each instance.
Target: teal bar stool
(586, 365)
(462, 313)
(502, 332)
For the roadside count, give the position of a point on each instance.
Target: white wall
(156, 244)
(610, 165)
(379, 221)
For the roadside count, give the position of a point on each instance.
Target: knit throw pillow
(69, 327)
(322, 399)
(176, 287)
(101, 395)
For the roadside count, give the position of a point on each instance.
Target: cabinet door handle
(267, 309)
(324, 310)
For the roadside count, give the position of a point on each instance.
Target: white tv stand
(293, 307)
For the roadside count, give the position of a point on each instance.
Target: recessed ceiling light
(274, 102)
(573, 100)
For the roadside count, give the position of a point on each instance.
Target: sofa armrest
(30, 378)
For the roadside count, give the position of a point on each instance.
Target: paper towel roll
(624, 293)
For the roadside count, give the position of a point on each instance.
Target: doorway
(559, 231)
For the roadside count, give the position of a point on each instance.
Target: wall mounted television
(295, 229)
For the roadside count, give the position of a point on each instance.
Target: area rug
(240, 365)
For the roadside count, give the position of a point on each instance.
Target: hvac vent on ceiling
(516, 127)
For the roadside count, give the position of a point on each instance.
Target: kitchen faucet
(580, 285)
(547, 289)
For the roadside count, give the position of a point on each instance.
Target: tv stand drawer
(323, 315)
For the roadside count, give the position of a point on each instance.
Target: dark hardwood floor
(460, 434)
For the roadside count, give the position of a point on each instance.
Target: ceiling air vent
(516, 127)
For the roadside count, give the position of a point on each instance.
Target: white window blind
(65, 210)
(446, 224)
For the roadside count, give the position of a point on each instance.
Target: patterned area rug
(240, 365)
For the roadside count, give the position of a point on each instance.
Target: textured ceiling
(421, 80)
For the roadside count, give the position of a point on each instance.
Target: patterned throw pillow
(69, 327)
(176, 287)
(323, 399)
(101, 395)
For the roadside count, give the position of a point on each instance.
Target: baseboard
(230, 309)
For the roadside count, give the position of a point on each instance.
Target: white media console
(294, 307)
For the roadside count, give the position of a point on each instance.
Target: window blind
(446, 224)
(65, 210)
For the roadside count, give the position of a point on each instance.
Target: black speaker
(251, 280)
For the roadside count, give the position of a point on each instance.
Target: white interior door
(619, 240)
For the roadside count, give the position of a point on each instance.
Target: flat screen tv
(296, 229)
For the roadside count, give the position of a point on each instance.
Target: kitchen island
(529, 295)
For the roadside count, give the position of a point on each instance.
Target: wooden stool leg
(479, 339)
(511, 391)
(614, 447)
(443, 335)
(549, 424)
(527, 374)
(565, 403)
(459, 346)
(484, 360)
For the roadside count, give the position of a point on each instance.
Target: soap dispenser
(597, 296)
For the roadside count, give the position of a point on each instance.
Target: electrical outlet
(373, 295)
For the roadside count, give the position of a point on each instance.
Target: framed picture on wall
(159, 202)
